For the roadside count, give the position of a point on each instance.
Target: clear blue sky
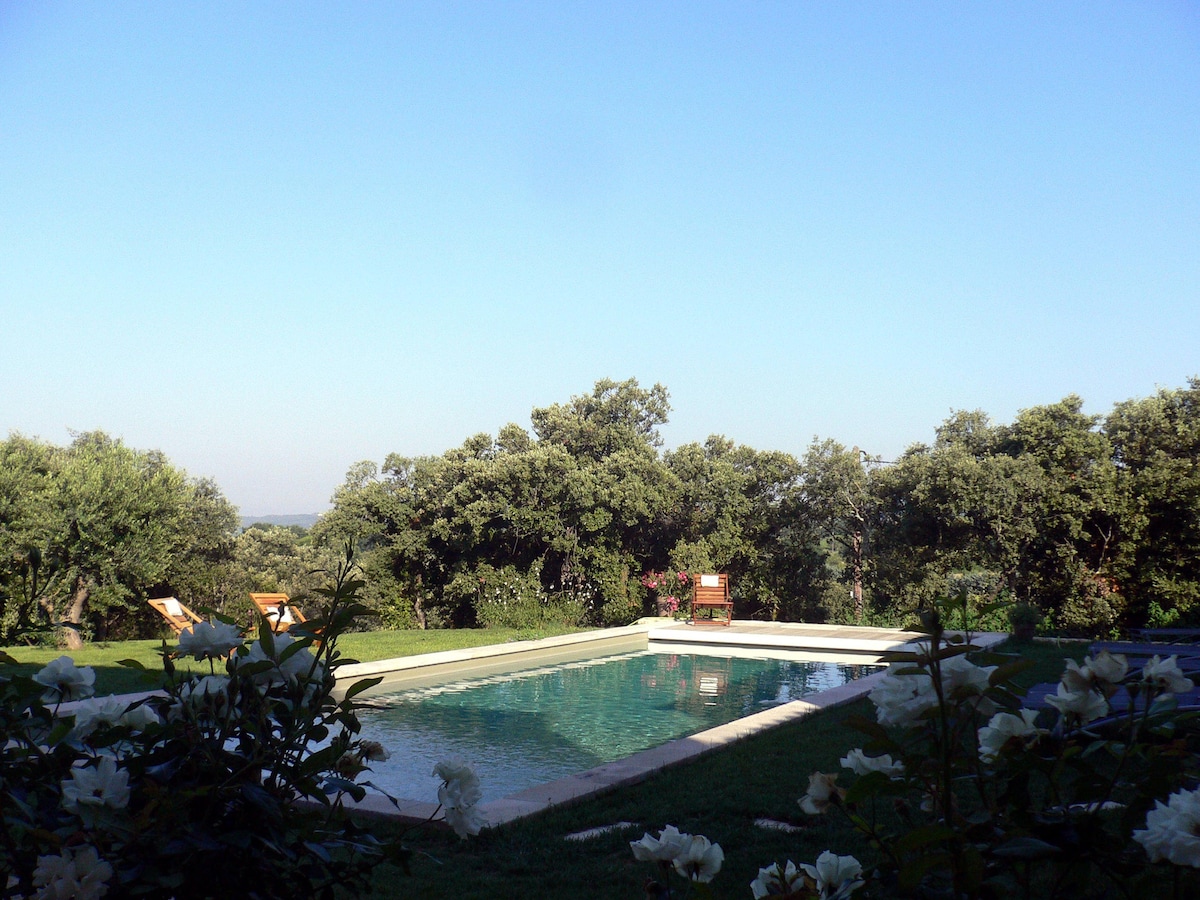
(273, 239)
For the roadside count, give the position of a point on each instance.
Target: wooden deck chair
(278, 610)
(177, 615)
(711, 592)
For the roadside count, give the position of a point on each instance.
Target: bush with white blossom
(1096, 795)
(692, 857)
(231, 783)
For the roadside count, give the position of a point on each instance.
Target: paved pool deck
(825, 642)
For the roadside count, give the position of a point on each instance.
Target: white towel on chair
(710, 581)
(171, 605)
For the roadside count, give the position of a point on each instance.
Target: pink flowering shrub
(666, 590)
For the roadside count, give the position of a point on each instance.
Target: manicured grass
(368, 646)
(111, 677)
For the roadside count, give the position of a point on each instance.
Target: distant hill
(304, 521)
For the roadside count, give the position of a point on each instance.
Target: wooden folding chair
(711, 592)
(177, 615)
(278, 610)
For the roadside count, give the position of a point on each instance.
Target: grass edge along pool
(438, 669)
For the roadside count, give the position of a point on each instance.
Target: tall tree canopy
(1095, 522)
(563, 521)
(1156, 450)
(108, 525)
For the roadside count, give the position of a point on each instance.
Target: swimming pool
(532, 726)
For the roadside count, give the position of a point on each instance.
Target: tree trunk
(73, 636)
(856, 572)
(419, 604)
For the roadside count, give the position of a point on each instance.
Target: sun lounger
(177, 615)
(278, 610)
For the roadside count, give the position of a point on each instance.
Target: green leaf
(359, 686)
(266, 636)
(320, 760)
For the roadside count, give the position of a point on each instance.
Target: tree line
(583, 518)
(90, 531)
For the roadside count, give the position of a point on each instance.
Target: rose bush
(692, 857)
(232, 783)
(964, 793)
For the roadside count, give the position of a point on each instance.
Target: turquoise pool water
(532, 726)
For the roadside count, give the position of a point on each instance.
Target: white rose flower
(92, 713)
(1004, 727)
(861, 764)
(1164, 675)
(459, 779)
(1086, 705)
(774, 881)
(1109, 668)
(822, 791)
(902, 700)
(837, 877)
(699, 860)
(1102, 672)
(210, 640)
(91, 788)
(459, 793)
(465, 820)
(963, 680)
(668, 845)
(288, 670)
(65, 681)
(1172, 830)
(1077, 678)
(205, 696)
(78, 874)
(960, 674)
(373, 751)
(140, 716)
(455, 768)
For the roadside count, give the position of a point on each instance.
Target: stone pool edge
(463, 662)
